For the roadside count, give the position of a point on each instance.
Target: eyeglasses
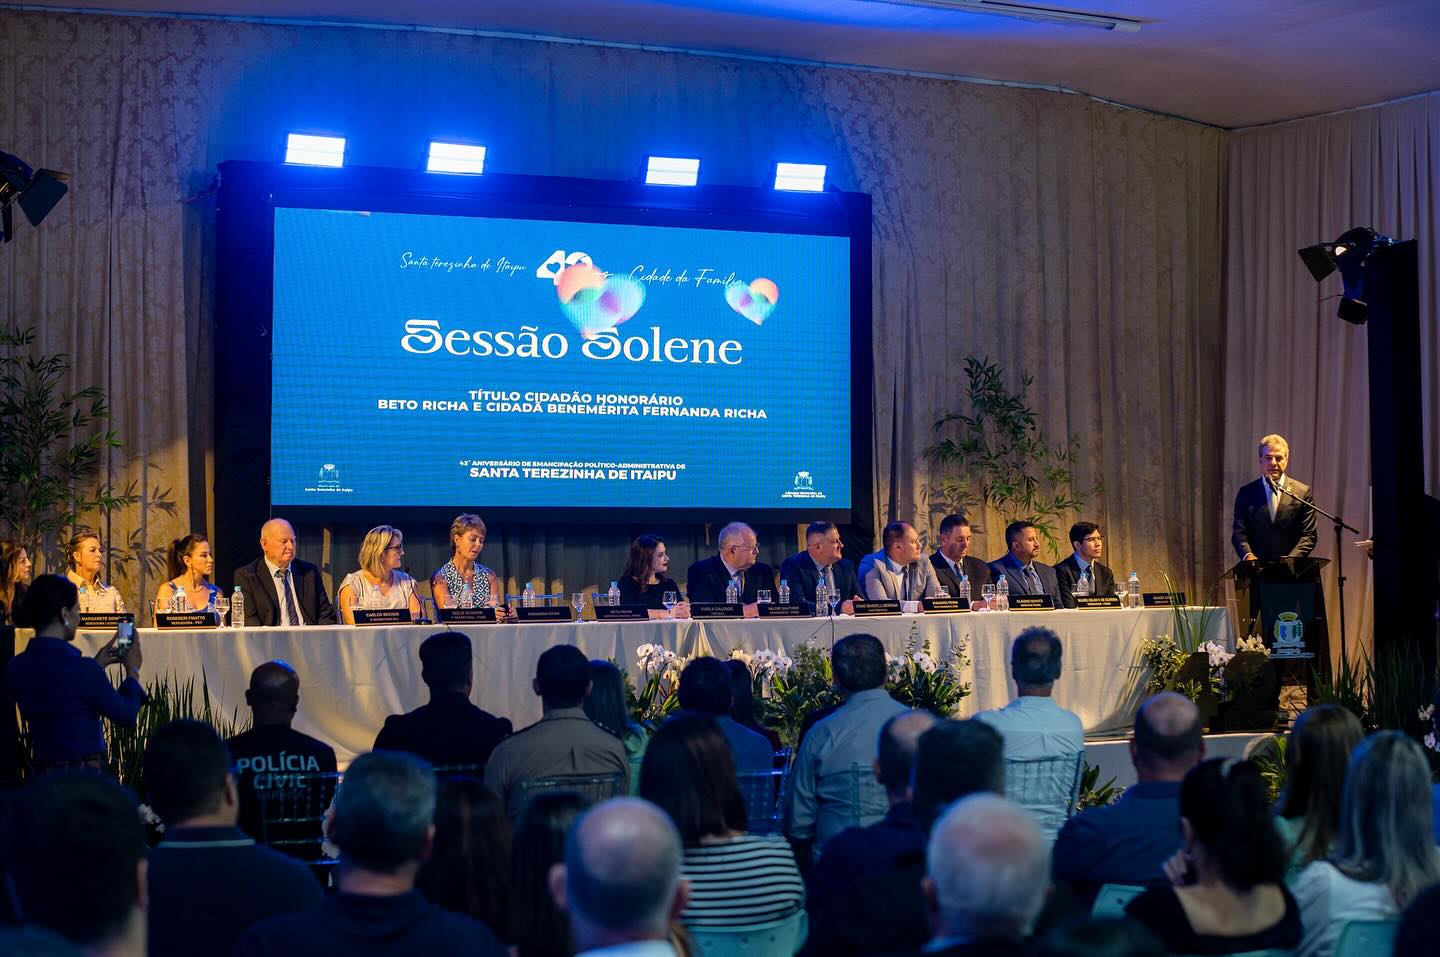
(1092, 538)
(395, 548)
(746, 548)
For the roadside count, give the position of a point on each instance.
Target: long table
(352, 677)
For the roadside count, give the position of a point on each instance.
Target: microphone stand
(1339, 555)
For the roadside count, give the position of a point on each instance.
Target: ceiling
(1229, 63)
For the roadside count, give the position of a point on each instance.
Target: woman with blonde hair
(463, 582)
(379, 583)
(87, 557)
(14, 578)
(191, 563)
(1317, 756)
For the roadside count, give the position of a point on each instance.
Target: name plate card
(187, 619)
(1031, 603)
(1097, 601)
(874, 609)
(622, 613)
(716, 609)
(945, 606)
(544, 613)
(1161, 599)
(104, 620)
(381, 616)
(769, 610)
(467, 616)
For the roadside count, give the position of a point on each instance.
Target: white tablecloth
(351, 678)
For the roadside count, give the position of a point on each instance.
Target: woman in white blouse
(1384, 853)
(379, 583)
(87, 557)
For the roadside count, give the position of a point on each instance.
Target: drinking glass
(762, 597)
(577, 602)
(832, 595)
(222, 605)
(987, 595)
(672, 598)
(1120, 592)
(944, 591)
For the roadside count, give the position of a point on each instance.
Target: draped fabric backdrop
(1074, 240)
(1293, 367)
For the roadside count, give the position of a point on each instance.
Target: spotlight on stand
(1348, 254)
(35, 192)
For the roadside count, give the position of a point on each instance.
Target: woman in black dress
(643, 582)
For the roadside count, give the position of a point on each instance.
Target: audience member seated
(1023, 574)
(280, 589)
(955, 759)
(620, 882)
(208, 881)
(1128, 842)
(707, 579)
(1419, 925)
(462, 582)
(379, 583)
(448, 731)
(1316, 758)
(644, 582)
(736, 879)
(469, 870)
(538, 926)
(899, 571)
(705, 689)
(1099, 937)
(986, 875)
(271, 752)
(864, 891)
(14, 579)
(384, 825)
(76, 862)
(61, 694)
(1088, 544)
(821, 561)
(1384, 853)
(563, 742)
(1226, 893)
(606, 707)
(742, 704)
(1035, 728)
(87, 560)
(839, 749)
(190, 563)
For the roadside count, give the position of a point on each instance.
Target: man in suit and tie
(1270, 520)
(1023, 574)
(898, 571)
(279, 588)
(1088, 543)
(821, 559)
(707, 579)
(953, 558)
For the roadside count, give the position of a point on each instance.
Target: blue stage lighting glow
(306, 149)
(672, 171)
(801, 177)
(455, 158)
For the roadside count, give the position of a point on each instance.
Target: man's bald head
(1168, 737)
(274, 693)
(277, 541)
(621, 875)
(895, 756)
(987, 869)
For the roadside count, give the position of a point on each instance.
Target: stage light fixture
(1347, 254)
(308, 149)
(672, 171)
(35, 191)
(800, 177)
(455, 158)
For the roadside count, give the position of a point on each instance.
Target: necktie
(829, 579)
(283, 577)
(1274, 498)
(1033, 577)
(740, 583)
(905, 584)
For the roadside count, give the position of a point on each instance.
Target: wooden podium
(1282, 601)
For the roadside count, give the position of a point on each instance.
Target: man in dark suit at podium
(706, 579)
(802, 571)
(1270, 520)
(1086, 539)
(280, 589)
(953, 558)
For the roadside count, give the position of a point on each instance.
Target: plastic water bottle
(1134, 597)
(964, 595)
(1082, 586)
(1002, 595)
(467, 597)
(527, 598)
(784, 592)
(732, 592)
(237, 609)
(614, 594)
(178, 601)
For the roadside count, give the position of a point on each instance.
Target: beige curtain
(1292, 366)
(1077, 241)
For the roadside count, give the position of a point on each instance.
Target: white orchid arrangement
(763, 664)
(1252, 643)
(658, 660)
(1427, 714)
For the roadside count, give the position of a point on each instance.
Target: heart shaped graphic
(594, 302)
(755, 301)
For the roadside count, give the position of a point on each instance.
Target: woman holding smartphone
(62, 695)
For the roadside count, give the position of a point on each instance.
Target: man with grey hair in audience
(384, 825)
(986, 876)
(620, 882)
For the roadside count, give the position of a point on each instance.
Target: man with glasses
(707, 579)
(1085, 564)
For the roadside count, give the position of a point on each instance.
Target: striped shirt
(742, 881)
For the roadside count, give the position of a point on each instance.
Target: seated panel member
(1023, 574)
(87, 560)
(279, 588)
(707, 578)
(953, 558)
(1270, 522)
(1089, 544)
(802, 571)
(644, 582)
(190, 564)
(898, 571)
(463, 582)
(379, 583)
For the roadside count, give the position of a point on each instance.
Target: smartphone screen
(124, 636)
